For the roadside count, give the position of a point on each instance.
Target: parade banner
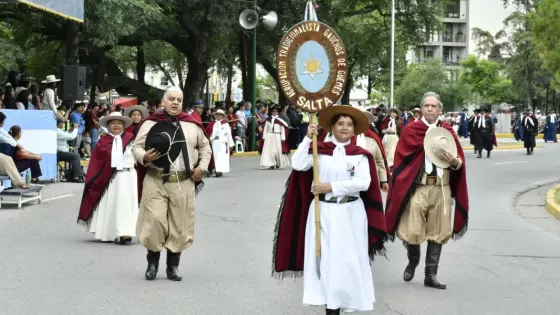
(70, 9)
(312, 66)
(313, 71)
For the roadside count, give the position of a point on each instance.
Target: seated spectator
(63, 151)
(24, 159)
(7, 167)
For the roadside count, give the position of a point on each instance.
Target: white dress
(346, 279)
(390, 140)
(117, 212)
(273, 136)
(221, 144)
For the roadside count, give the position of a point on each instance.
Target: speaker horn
(249, 19)
(270, 20)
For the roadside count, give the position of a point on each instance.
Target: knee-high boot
(432, 261)
(153, 264)
(173, 266)
(413, 253)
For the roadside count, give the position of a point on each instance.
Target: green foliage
(483, 78)
(546, 35)
(429, 77)
(10, 53)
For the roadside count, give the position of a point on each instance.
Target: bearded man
(176, 152)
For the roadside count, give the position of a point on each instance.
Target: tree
(483, 78)
(10, 53)
(546, 34)
(430, 76)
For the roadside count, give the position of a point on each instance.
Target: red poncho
(371, 134)
(99, 175)
(409, 161)
(289, 234)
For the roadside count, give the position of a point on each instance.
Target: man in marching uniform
(486, 138)
(222, 143)
(530, 131)
(550, 127)
(473, 131)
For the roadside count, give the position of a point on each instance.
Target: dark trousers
(74, 160)
(22, 165)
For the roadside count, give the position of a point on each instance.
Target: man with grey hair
(174, 151)
(426, 177)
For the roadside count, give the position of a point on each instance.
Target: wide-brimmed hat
(369, 115)
(220, 112)
(164, 138)
(437, 141)
(399, 113)
(416, 109)
(360, 119)
(143, 111)
(51, 79)
(115, 116)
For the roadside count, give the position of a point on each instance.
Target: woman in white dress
(351, 217)
(273, 145)
(109, 206)
(222, 143)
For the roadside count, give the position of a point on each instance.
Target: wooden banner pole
(317, 208)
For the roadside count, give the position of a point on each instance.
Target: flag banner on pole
(70, 9)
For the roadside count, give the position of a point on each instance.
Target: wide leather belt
(345, 199)
(126, 169)
(431, 180)
(173, 178)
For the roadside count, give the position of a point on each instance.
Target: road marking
(58, 197)
(516, 162)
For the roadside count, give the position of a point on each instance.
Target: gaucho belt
(173, 177)
(345, 199)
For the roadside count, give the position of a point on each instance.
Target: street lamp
(249, 20)
(392, 52)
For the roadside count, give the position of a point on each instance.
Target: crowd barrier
(38, 136)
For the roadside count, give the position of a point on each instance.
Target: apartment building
(451, 45)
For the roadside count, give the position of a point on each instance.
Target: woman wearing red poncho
(429, 171)
(138, 114)
(109, 206)
(352, 219)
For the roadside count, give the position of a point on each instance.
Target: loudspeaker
(73, 83)
(249, 19)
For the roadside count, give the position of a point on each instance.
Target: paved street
(508, 262)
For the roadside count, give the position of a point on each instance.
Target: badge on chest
(351, 168)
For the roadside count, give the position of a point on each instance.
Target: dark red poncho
(289, 234)
(99, 175)
(163, 117)
(409, 161)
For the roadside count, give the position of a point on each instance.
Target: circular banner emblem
(312, 66)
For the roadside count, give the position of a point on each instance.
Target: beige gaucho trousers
(166, 218)
(424, 217)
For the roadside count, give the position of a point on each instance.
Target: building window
(163, 81)
(453, 9)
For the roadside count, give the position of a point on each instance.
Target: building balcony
(447, 61)
(450, 38)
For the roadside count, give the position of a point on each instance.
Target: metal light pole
(392, 52)
(249, 19)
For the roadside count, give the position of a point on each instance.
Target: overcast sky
(487, 15)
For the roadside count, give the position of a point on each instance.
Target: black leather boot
(479, 156)
(413, 261)
(173, 266)
(153, 264)
(528, 151)
(333, 312)
(488, 154)
(432, 260)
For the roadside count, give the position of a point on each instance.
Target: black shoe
(413, 261)
(218, 174)
(153, 264)
(479, 155)
(333, 312)
(532, 148)
(488, 154)
(528, 151)
(173, 266)
(432, 260)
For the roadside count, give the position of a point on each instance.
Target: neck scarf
(482, 122)
(117, 155)
(529, 120)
